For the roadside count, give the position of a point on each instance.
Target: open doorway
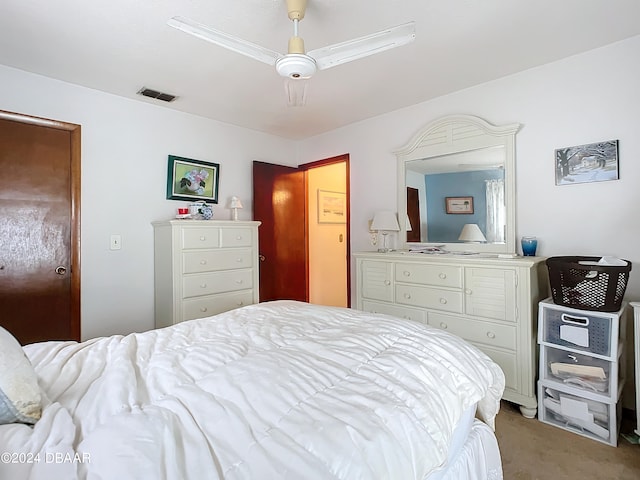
(328, 234)
(302, 255)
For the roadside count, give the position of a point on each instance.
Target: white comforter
(270, 391)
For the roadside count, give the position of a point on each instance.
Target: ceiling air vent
(165, 97)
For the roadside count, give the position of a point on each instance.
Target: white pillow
(20, 399)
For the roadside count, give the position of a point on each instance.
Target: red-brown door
(279, 202)
(39, 234)
(413, 213)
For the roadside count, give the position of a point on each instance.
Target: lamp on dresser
(385, 222)
(234, 205)
(471, 233)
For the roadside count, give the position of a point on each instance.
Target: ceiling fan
(297, 65)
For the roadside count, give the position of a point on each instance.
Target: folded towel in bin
(606, 261)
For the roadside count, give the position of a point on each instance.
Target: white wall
(125, 144)
(582, 99)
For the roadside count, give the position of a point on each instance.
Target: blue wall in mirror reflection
(444, 227)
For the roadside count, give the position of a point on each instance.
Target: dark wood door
(413, 212)
(39, 296)
(279, 202)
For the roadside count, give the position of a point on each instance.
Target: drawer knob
(203, 285)
(239, 260)
(407, 296)
(203, 309)
(239, 282)
(406, 273)
(491, 335)
(443, 276)
(467, 291)
(443, 325)
(240, 303)
(203, 262)
(443, 301)
(202, 238)
(239, 237)
(387, 282)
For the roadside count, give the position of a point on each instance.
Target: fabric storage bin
(573, 411)
(582, 372)
(582, 283)
(584, 331)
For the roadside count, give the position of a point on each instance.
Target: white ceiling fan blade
(225, 40)
(350, 50)
(296, 91)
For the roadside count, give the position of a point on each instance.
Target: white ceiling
(119, 46)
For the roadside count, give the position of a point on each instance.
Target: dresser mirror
(458, 173)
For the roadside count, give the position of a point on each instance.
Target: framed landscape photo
(189, 179)
(331, 207)
(463, 205)
(594, 162)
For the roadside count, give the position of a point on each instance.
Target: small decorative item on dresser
(195, 209)
(234, 205)
(529, 246)
(207, 212)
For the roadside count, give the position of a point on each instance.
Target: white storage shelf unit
(582, 368)
(579, 412)
(636, 343)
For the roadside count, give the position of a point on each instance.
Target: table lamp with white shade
(234, 205)
(471, 233)
(385, 222)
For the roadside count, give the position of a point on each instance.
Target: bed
(278, 390)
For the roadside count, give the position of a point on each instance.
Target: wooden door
(39, 228)
(279, 202)
(413, 212)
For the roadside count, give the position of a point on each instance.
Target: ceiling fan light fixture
(296, 65)
(296, 92)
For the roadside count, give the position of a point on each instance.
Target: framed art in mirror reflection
(459, 205)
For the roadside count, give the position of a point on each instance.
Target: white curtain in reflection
(496, 216)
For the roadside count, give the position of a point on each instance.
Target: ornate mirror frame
(457, 134)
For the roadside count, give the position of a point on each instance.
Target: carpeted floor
(533, 450)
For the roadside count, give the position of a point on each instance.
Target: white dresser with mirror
(483, 291)
(489, 301)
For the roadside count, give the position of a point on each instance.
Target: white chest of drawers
(203, 267)
(489, 301)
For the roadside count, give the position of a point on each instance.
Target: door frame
(74, 246)
(344, 158)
